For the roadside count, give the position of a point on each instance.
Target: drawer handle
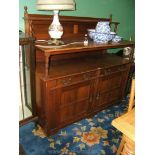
(105, 72)
(86, 77)
(116, 70)
(70, 79)
(109, 71)
(121, 69)
(66, 82)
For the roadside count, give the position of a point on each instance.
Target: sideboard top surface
(74, 46)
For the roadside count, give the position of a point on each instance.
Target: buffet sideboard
(71, 89)
(74, 81)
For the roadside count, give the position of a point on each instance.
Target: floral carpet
(93, 136)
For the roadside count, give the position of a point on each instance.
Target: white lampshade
(55, 4)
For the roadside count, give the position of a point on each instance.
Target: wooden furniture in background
(26, 73)
(126, 124)
(74, 81)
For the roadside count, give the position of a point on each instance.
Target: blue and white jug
(103, 27)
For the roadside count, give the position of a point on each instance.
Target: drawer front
(69, 80)
(112, 70)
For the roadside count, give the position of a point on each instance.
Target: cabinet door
(109, 90)
(71, 102)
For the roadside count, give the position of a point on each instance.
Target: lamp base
(56, 42)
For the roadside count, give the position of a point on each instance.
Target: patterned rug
(93, 136)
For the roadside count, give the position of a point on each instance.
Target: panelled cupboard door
(72, 101)
(109, 90)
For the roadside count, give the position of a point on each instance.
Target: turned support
(47, 64)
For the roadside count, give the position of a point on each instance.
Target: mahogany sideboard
(71, 89)
(74, 81)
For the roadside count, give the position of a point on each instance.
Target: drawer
(68, 80)
(114, 69)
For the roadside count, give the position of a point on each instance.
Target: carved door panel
(109, 90)
(72, 102)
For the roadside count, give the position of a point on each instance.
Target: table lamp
(55, 29)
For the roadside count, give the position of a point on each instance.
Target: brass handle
(66, 82)
(86, 76)
(109, 70)
(116, 70)
(70, 79)
(122, 69)
(105, 72)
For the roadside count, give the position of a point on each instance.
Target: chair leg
(121, 145)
